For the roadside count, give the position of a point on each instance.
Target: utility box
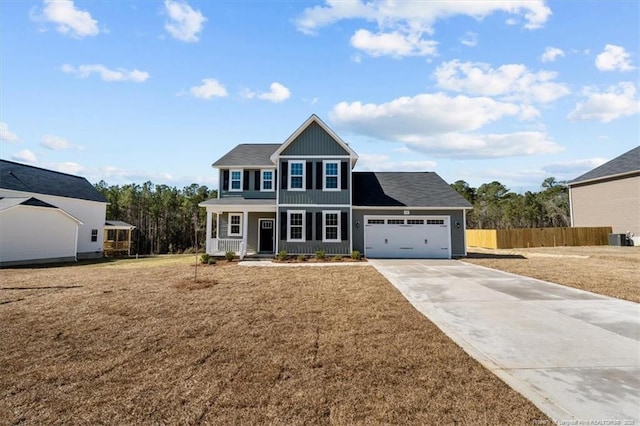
(617, 240)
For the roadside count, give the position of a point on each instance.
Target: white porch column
(245, 230)
(208, 234)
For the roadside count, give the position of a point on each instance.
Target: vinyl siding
(314, 141)
(314, 196)
(614, 203)
(315, 244)
(457, 234)
(253, 190)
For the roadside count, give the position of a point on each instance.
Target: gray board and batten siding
(313, 232)
(313, 193)
(251, 185)
(314, 140)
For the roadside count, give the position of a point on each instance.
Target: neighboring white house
(43, 209)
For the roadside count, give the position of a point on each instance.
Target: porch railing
(219, 246)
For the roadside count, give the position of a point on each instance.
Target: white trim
(324, 175)
(304, 175)
(408, 208)
(314, 118)
(324, 226)
(231, 189)
(289, 213)
(593, 180)
(346, 206)
(262, 180)
(464, 231)
(344, 157)
(570, 208)
(229, 224)
(273, 230)
(239, 207)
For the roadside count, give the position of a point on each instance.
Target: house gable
(314, 140)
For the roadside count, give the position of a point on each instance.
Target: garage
(407, 237)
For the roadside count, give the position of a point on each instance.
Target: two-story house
(303, 196)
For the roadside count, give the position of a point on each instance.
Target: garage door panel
(407, 237)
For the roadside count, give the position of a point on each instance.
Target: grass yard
(609, 270)
(137, 341)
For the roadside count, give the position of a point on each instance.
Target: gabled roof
(248, 155)
(629, 162)
(11, 202)
(21, 177)
(117, 224)
(315, 119)
(404, 189)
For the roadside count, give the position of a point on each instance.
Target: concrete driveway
(574, 354)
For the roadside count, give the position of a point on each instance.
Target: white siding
(33, 233)
(91, 213)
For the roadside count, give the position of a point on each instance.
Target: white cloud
(208, 89)
(56, 143)
(24, 156)
(470, 39)
(618, 101)
(510, 81)
(68, 167)
(7, 135)
(277, 94)
(423, 114)
(185, 23)
(69, 20)
(120, 74)
(384, 163)
(551, 54)
(573, 167)
(393, 44)
(614, 58)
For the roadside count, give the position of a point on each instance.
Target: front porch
(245, 227)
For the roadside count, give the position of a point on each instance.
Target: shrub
(282, 255)
(356, 255)
(211, 261)
(230, 255)
(301, 258)
(320, 255)
(205, 258)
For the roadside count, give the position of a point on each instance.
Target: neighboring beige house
(609, 195)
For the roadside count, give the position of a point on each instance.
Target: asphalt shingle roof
(21, 177)
(411, 189)
(248, 154)
(625, 163)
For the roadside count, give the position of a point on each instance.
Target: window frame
(272, 180)
(325, 176)
(302, 177)
(240, 189)
(325, 213)
(230, 224)
(302, 226)
(94, 235)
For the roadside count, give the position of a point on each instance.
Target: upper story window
(331, 175)
(266, 181)
(296, 175)
(235, 181)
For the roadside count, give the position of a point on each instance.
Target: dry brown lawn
(609, 270)
(139, 342)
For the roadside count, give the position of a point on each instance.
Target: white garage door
(407, 237)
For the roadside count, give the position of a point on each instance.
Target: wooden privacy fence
(537, 237)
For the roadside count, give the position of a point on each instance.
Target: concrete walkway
(574, 354)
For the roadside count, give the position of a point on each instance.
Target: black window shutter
(319, 226)
(245, 181)
(225, 180)
(344, 225)
(309, 226)
(344, 174)
(309, 173)
(283, 225)
(319, 175)
(285, 169)
(256, 180)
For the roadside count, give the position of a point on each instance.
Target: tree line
(167, 219)
(496, 207)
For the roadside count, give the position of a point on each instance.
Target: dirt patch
(137, 344)
(608, 270)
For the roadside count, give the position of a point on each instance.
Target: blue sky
(514, 91)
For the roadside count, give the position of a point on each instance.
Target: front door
(265, 243)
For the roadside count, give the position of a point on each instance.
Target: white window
(296, 175)
(331, 175)
(235, 225)
(295, 227)
(266, 181)
(235, 180)
(330, 226)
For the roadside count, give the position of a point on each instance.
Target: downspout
(464, 230)
(570, 207)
